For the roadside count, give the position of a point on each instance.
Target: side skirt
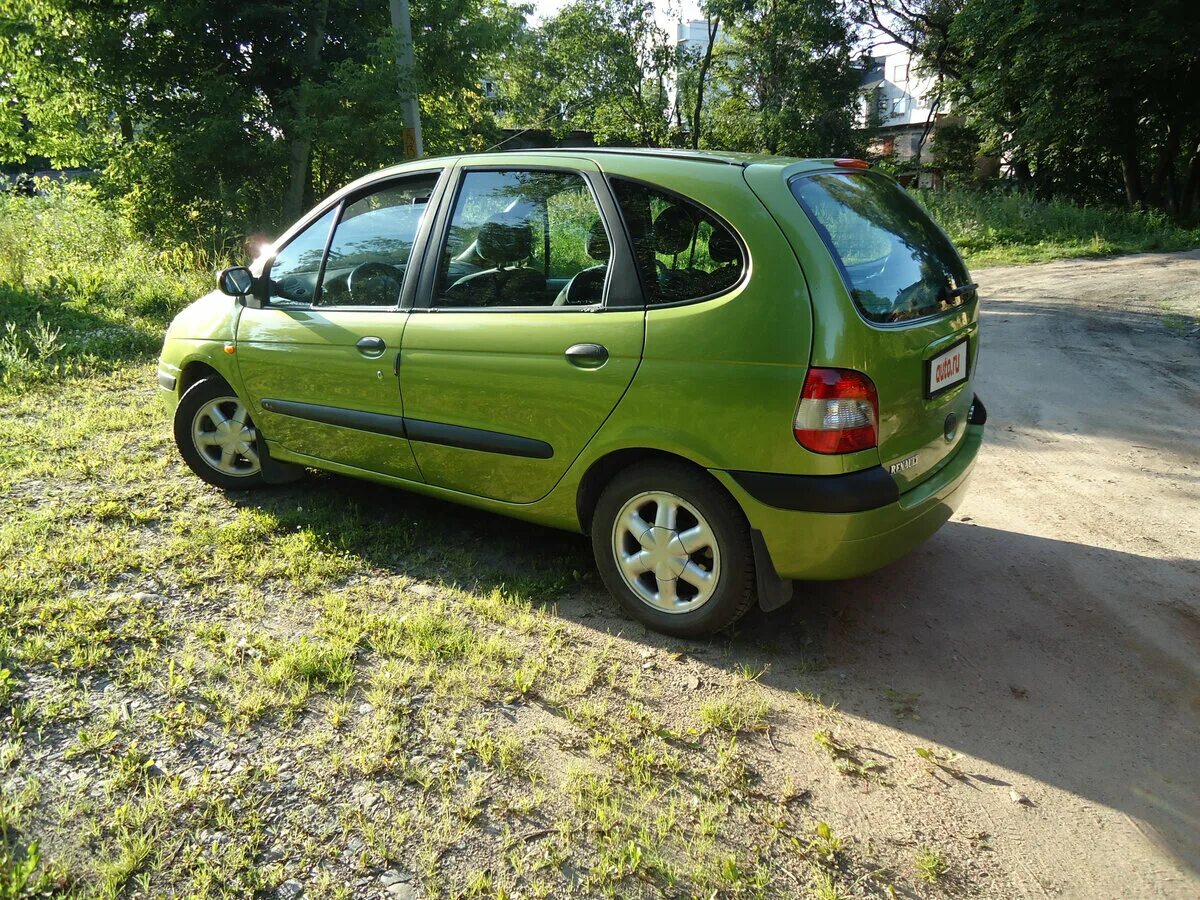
(540, 512)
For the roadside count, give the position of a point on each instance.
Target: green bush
(79, 292)
(992, 228)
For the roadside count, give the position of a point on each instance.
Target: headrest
(722, 248)
(503, 240)
(597, 242)
(673, 230)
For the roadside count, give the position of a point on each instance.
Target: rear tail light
(838, 412)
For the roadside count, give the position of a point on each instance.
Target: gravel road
(1050, 634)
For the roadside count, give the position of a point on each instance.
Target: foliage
(773, 76)
(79, 292)
(599, 65)
(956, 147)
(1091, 100)
(207, 122)
(994, 228)
(785, 83)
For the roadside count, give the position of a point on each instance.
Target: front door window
(367, 255)
(371, 245)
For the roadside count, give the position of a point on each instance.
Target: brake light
(852, 163)
(838, 412)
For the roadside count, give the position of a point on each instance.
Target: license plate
(946, 369)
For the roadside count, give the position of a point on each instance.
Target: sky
(667, 13)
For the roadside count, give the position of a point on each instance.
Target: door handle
(371, 346)
(587, 356)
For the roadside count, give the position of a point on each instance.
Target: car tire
(674, 549)
(217, 437)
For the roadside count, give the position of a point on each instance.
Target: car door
(527, 331)
(318, 360)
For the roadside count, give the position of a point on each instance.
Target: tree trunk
(1131, 174)
(1126, 125)
(126, 124)
(299, 136)
(1159, 182)
(299, 151)
(1022, 173)
(1189, 197)
(714, 25)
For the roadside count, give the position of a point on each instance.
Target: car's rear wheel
(216, 436)
(674, 549)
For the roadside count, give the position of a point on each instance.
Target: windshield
(897, 264)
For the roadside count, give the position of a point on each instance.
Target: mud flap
(773, 591)
(273, 471)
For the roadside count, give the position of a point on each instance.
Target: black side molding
(377, 423)
(414, 429)
(853, 492)
(477, 439)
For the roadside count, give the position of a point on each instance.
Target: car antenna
(565, 111)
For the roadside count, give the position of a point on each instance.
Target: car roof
(598, 156)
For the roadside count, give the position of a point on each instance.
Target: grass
(994, 229)
(224, 679)
(846, 758)
(736, 712)
(930, 865)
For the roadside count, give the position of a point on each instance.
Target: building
(898, 106)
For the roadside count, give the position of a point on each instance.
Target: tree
(786, 83)
(200, 116)
(1092, 99)
(611, 63)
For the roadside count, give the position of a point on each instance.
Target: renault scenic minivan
(735, 373)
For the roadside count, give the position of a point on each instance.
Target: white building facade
(898, 103)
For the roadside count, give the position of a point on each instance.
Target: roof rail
(667, 152)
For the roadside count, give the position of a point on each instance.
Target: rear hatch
(901, 309)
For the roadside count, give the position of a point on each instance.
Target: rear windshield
(897, 264)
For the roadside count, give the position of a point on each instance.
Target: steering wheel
(374, 284)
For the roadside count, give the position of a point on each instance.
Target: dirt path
(1050, 634)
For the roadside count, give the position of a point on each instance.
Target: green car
(733, 372)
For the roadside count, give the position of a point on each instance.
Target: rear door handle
(371, 346)
(587, 356)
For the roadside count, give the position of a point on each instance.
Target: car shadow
(1071, 665)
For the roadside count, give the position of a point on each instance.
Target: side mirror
(236, 281)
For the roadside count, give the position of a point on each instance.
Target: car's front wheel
(674, 548)
(217, 437)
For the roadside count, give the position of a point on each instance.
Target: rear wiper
(948, 293)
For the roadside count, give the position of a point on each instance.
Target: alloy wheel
(225, 437)
(666, 552)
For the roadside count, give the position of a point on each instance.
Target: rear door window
(684, 252)
(898, 265)
(523, 238)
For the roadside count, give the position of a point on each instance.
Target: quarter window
(683, 251)
(523, 238)
(297, 267)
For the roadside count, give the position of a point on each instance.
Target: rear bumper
(820, 545)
